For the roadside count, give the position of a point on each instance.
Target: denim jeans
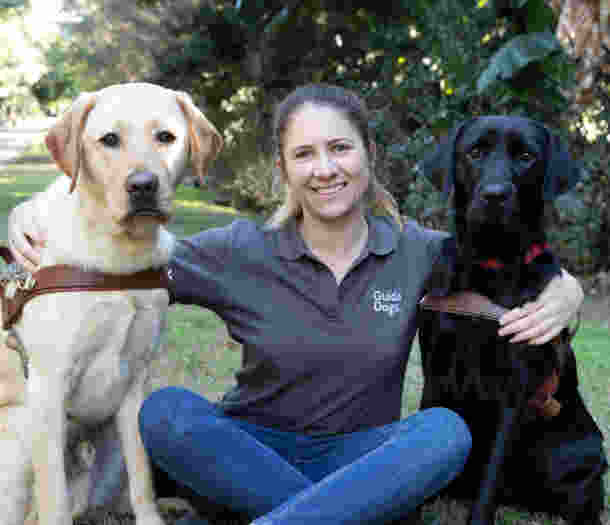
(371, 476)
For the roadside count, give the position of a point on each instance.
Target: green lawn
(202, 357)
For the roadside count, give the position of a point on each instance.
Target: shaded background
(422, 66)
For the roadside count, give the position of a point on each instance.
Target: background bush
(422, 66)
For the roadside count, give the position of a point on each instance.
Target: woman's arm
(541, 320)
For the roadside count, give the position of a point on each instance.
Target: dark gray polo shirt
(317, 357)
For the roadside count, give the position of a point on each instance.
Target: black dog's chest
(464, 360)
(471, 363)
(512, 287)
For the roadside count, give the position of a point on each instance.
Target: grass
(201, 356)
(18, 183)
(592, 348)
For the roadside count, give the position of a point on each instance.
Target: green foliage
(8, 7)
(8, 4)
(50, 87)
(194, 48)
(516, 55)
(16, 60)
(62, 81)
(488, 58)
(585, 215)
(422, 66)
(253, 187)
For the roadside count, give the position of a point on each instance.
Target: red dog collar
(534, 251)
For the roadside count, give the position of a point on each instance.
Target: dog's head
(126, 147)
(501, 171)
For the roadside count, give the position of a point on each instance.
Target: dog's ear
(562, 171)
(204, 139)
(64, 139)
(439, 165)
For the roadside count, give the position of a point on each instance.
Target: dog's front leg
(12, 381)
(141, 492)
(45, 402)
(485, 506)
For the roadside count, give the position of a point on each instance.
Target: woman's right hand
(26, 236)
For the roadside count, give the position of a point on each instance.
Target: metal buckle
(13, 277)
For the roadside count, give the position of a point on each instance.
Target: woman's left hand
(539, 321)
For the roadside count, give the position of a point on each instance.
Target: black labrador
(534, 442)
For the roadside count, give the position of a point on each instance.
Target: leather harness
(471, 304)
(17, 287)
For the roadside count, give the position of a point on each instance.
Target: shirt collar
(383, 238)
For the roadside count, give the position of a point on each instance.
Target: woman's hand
(26, 235)
(541, 320)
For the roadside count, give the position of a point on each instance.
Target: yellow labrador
(124, 149)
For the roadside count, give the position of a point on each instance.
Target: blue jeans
(371, 476)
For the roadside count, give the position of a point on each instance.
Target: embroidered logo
(387, 301)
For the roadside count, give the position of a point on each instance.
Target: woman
(323, 300)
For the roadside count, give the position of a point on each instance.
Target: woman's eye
(110, 140)
(340, 147)
(302, 154)
(166, 137)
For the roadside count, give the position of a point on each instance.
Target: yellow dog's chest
(94, 343)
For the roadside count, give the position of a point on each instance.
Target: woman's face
(326, 164)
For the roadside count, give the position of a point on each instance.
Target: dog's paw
(147, 514)
(152, 518)
(104, 517)
(172, 509)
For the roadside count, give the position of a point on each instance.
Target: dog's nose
(496, 193)
(142, 184)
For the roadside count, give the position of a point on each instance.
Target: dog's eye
(475, 153)
(526, 156)
(110, 139)
(166, 137)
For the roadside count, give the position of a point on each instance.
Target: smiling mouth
(330, 190)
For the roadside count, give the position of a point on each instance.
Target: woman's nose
(325, 166)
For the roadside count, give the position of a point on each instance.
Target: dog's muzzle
(494, 202)
(496, 194)
(143, 190)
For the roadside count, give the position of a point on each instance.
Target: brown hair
(354, 109)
